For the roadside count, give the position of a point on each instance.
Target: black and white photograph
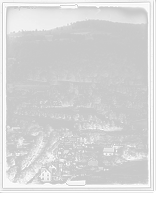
(77, 97)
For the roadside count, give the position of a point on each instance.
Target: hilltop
(81, 51)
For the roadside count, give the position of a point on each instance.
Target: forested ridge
(80, 52)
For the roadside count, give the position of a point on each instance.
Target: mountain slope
(81, 51)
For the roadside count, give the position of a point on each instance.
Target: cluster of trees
(51, 91)
(135, 93)
(33, 152)
(100, 124)
(33, 161)
(123, 118)
(136, 105)
(32, 128)
(117, 88)
(109, 58)
(72, 88)
(128, 153)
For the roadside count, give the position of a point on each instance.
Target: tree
(89, 117)
(52, 78)
(90, 91)
(129, 153)
(70, 88)
(86, 125)
(51, 115)
(93, 84)
(19, 141)
(74, 117)
(68, 116)
(113, 124)
(96, 98)
(25, 175)
(71, 99)
(11, 172)
(11, 161)
(108, 125)
(81, 118)
(78, 124)
(114, 99)
(48, 129)
(7, 151)
(43, 76)
(77, 157)
(76, 89)
(32, 153)
(132, 127)
(46, 91)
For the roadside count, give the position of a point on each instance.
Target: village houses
(92, 162)
(51, 172)
(111, 149)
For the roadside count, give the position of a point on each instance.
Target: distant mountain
(84, 44)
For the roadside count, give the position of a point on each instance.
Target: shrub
(93, 168)
(142, 154)
(88, 173)
(117, 159)
(129, 153)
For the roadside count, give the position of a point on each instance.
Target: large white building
(111, 149)
(51, 172)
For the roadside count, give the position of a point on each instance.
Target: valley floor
(135, 172)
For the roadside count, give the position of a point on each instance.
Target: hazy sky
(51, 17)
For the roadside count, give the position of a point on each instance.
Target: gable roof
(76, 136)
(72, 139)
(45, 170)
(92, 158)
(108, 150)
(68, 153)
(66, 139)
(50, 165)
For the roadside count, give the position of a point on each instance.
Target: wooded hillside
(80, 52)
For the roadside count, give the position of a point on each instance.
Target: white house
(16, 129)
(56, 103)
(46, 175)
(118, 148)
(69, 157)
(108, 151)
(93, 162)
(50, 173)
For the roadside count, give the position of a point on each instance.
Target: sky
(32, 18)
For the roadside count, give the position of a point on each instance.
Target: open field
(127, 173)
(40, 86)
(82, 111)
(140, 124)
(143, 88)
